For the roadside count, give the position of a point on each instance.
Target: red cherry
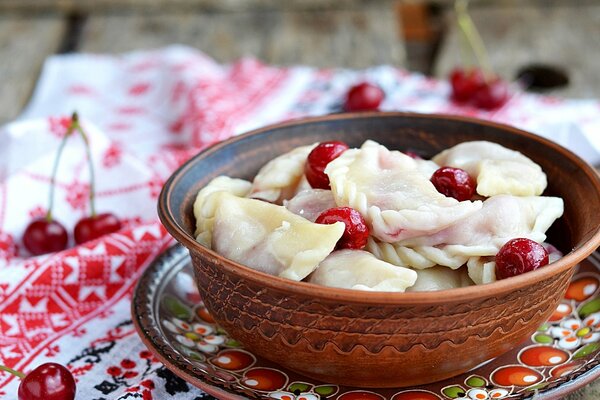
(356, 232)
(453, 182)
(49, 381)
(318, 159)
(364, 97)
(42, 236)
(492, 94)
(90, 228)
(465, 83)
(518, 256)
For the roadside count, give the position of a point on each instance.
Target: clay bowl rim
(474, 292)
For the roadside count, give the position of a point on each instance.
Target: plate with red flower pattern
(560, 357)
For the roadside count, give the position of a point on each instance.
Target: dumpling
(310, 203)
(419, 257)
(426, 167)
(277, 180)
(394, 196)
(482, 270)
(360, 270)
(498, 170)
(440, 278)
(501, 219)
(205, 206)
(302, 185)
(269, 238)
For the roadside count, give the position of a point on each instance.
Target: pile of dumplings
(420, 240)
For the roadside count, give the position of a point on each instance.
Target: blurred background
(416, 35)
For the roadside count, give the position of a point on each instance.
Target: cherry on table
(49, 381)
(364, 97)
(494, 94)
(518, 256)
(356, 232)
(317, 161)
(93, 227)
(45, 236)
(466, 83)
(454, 182)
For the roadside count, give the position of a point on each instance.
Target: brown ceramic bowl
(371, 339)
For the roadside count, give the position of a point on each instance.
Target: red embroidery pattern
(64, 290)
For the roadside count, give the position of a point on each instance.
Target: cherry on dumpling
(317, 160)
(518, 256)
(454, 182)
(356, 232)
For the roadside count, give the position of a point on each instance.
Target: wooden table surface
(356, 34)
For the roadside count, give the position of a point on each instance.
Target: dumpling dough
(277, 180)
(269, 238)
(426, 167)
(440, 278)
(482, 234)
(310, 203)
(205, 206)
(419, 257)
(360, 270)
(502, 218)
(394, 196)
(498, 170)
(482, 270)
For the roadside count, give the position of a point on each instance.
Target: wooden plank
(344, 38)
(516, 36)
(24, 44)
(86, 6)
(146, 5)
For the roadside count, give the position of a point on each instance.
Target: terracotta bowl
(371, 339)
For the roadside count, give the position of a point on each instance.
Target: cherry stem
(16, 373)
(61, 147)
(90, 164)
(469, 30)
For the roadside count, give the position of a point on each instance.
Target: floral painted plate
(563, 355)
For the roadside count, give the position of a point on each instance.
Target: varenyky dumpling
(360, 270)
(482, 234)
(426, 167)
(277, 180)
(269, 238)
(310, 203)
(418, 257)
(440, 278)
(502, 218)
(498, 170)
(205, 204)
(482, 270)
(394, 196)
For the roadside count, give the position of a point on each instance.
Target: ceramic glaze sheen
(371, 339)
